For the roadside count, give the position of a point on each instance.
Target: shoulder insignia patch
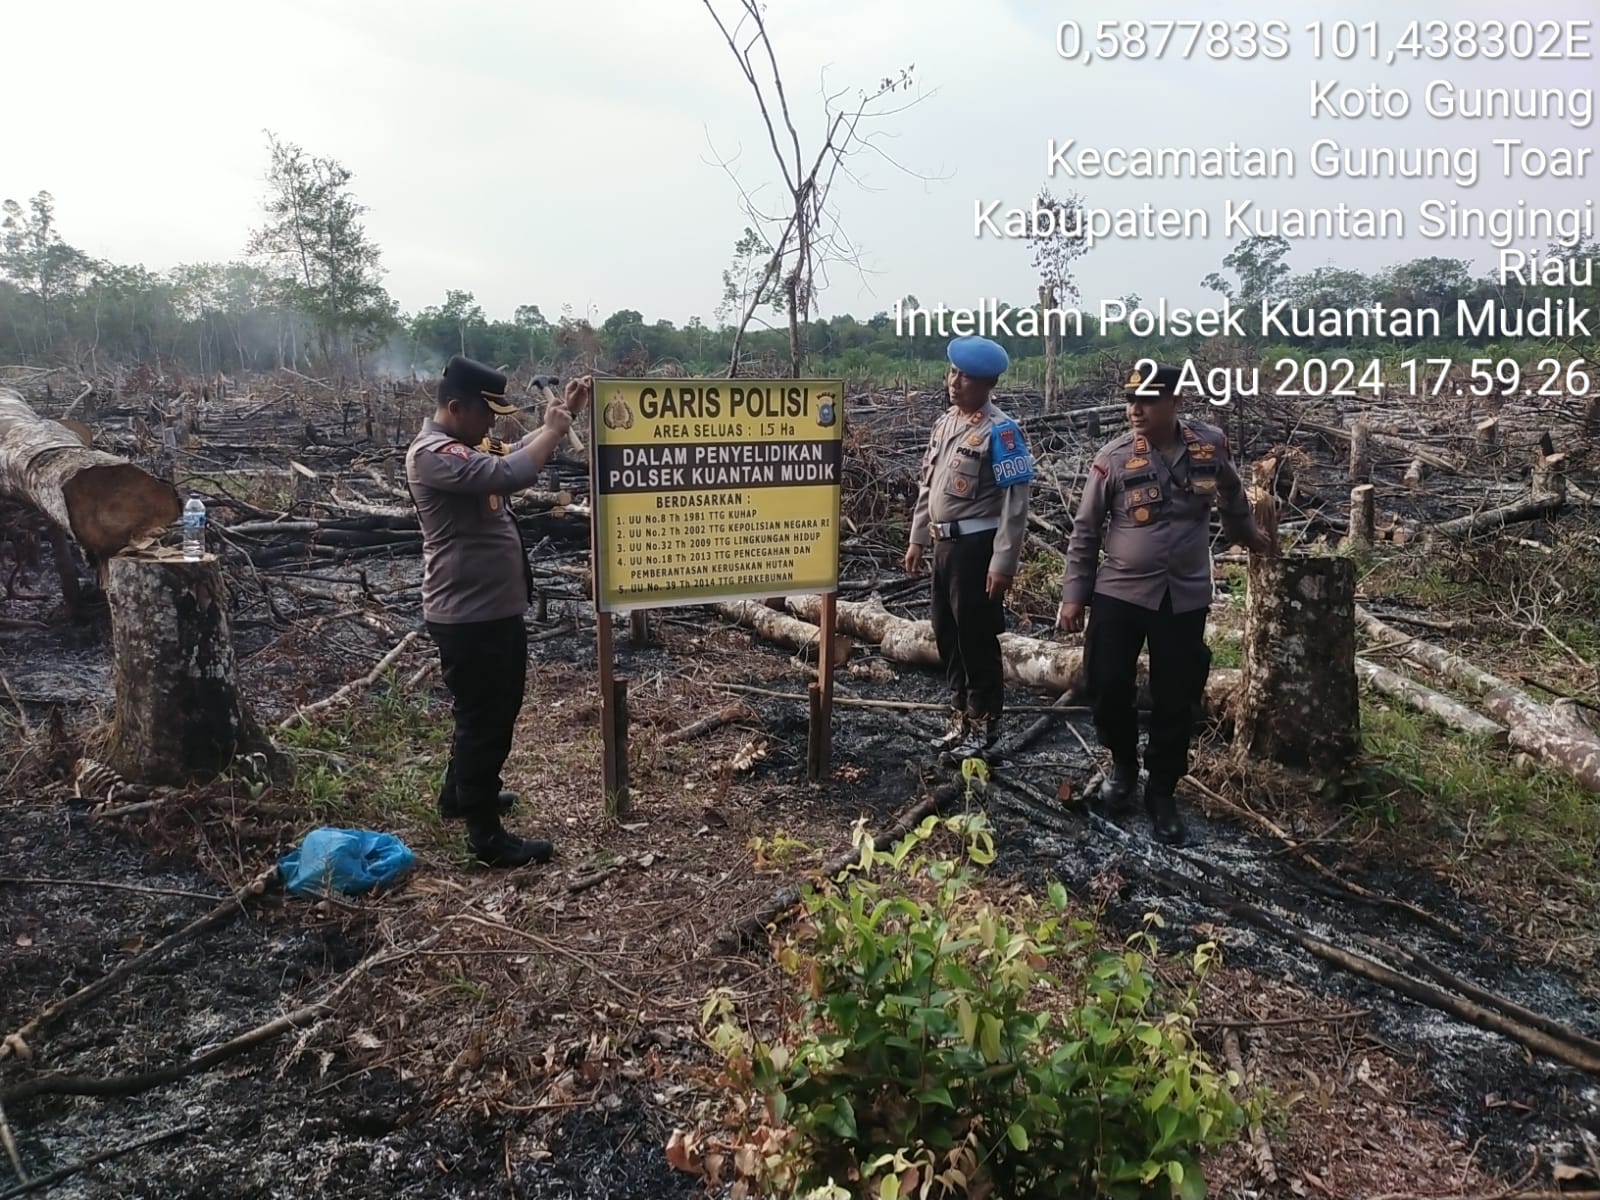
(455, 448)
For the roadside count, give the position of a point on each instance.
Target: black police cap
(466, 379)
(1163, 381)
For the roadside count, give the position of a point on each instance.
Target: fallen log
(1028, 662)
(105, 502)
(1425, 700)
(1530, 726)
(1497, 518)
(1418, 453)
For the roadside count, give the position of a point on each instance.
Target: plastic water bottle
(194, 528)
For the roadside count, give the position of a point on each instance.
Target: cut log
(1425, 700)
(1488, 432)
(1300, 700)
(179, 713)
(1497, 518)
(1414, 475)
(1530, 726)
(1028, 662)
(105, 502)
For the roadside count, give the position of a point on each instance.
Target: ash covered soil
(256, 1125)
(282, 1122)
(1392, 1093)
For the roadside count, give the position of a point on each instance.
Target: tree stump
(1361, 451)
(1299, 703)
(179, 716)
(1550, 475)
(1363, 516)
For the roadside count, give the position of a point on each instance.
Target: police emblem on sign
(826, 412)
(617, 414)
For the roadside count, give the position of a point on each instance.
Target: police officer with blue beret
(1147, 506)
(476, 586)
(972, 510)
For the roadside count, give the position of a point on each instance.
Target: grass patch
(1227, 652)
(1036, 591)
(1474, 791)
(376, 763)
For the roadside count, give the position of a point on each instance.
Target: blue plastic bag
(352, 861)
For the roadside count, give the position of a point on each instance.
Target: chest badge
(1133, 464)
(494, 503)
(1141, 514)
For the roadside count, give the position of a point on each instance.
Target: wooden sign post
(706, 490)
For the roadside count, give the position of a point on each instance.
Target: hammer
(546, 385)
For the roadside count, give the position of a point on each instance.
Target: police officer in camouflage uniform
(476, 586)
(1147, 504)
(972, 509)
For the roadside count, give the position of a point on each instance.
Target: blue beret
(978, 357)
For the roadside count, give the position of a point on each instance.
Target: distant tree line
(307, 294)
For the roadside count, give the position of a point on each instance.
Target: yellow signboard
(715, 489)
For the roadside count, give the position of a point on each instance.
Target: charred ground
(546, 1040)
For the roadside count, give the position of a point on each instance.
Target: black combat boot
(493, 846)
(1118, 789)
(1162, 806)
(450, 804)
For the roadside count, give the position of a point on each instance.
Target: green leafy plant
(944, 1048)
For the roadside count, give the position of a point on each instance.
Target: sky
(592, 153)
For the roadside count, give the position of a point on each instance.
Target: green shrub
(945, 1049)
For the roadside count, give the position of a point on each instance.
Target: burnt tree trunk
(179, 714)
(1299, 704)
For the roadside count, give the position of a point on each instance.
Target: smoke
(400, 358)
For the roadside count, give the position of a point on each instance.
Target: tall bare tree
(803, 235)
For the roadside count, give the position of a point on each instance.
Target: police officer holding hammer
(1147, 505)
(476, 586)
(972, 510)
